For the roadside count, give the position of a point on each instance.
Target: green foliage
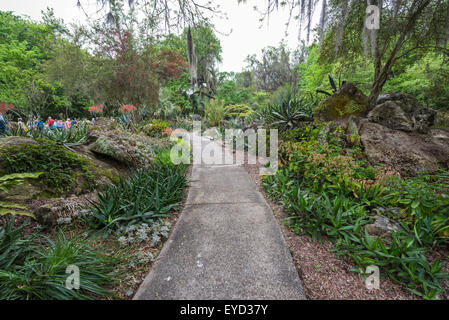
(34, 267)
(232, 93)
(155, 128)
(288, 112)
(327, 192)
(60, 166)
(240, 111)
(24, 45)
(332, 84)
(215, 112)
(145, 196)
(426, 79)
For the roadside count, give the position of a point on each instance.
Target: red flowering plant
(128, 108)
(167, 131)
(96, 109)
(5, 107)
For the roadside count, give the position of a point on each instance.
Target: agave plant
(289, 111)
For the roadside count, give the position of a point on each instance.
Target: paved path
(226, 245)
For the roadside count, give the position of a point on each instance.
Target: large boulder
(349, 100)
(25, 191)
(108, 140)
(109, 148)
(408, 153)
(16, 141)
(401, 111)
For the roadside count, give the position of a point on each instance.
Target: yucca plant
(68, 137)
(289, 110)
(332, 84)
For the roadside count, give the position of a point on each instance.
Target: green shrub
(144, 197)
(155, 128)
(328, 192)
(215, 112)
(34, 267)
(288, 112)
(59, 165)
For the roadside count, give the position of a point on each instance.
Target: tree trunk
(381, 74)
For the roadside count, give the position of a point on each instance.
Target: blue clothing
(2, 125)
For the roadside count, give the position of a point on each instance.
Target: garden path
(226, 244)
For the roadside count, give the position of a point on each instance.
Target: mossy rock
(64, 171)
(25, 191)
(349, 100)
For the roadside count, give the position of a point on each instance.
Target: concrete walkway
(226, 245)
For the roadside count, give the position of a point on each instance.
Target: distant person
(40, 125)
(22, 125)
(68, 124)
(3, 127)
(59, 124)
(50, 123)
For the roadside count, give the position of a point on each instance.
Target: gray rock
(381, 227)
(24, 191)
(322, 135)
(353, 125)
(16, 141)
(408, 153)
(47, 215)
(109, 148)
(402, 112)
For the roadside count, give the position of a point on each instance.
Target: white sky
(245, 39)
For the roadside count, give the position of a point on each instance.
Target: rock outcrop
(109, 140)
(401, 111)
(16, 141)
(407, 152)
